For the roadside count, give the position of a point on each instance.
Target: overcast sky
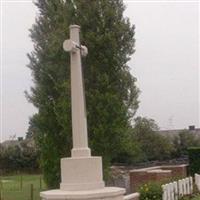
(165, 63)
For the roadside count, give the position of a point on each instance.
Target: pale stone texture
(107, 193)
(176, 189)
(79, 119)
(81, 172)
(134, 196)
(81, 175)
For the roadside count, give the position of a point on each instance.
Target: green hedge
(194, 160)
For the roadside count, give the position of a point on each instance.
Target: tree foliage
(194, 160)
(184, 140)
(154, 145)
(111, 93)
(19, 157)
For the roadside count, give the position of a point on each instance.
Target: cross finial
(72, 46)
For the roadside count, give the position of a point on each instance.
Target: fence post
(21, 182)
(31, 191)
(1, 194)
(40, 182)
(1, 189)
(1, 184)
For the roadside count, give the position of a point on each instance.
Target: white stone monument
(81, 174)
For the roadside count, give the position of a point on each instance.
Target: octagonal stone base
(107, 193)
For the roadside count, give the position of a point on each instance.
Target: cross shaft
(79, 117)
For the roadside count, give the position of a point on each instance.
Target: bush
(154, 145)
(151, 191)
(194, 160)
(19, 157)
(183, 141)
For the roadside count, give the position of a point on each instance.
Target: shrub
(194, 160)
(154, 145)
(183, 141)
(19, 157)
(151, 191)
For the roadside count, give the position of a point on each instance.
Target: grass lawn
(19, 187)
(196, 198)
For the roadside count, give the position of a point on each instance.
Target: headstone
(197, 181)
(164, 195)
(187, 185)
(168, 191)
(81, 174)
(172, 190)
(180, 188)
(184, 186)
(175, 190)
(191, 185)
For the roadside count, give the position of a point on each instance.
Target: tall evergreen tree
(111, 93)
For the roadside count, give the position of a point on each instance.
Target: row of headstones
(197, 181)
(177, 189)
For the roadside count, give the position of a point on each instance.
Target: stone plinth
(83, 173)
(133, 196)
(107, 193)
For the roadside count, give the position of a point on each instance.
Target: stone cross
(81, 174)
(79, 118)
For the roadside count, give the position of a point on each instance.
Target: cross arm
(71, 46)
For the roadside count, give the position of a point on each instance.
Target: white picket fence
(174, 190)
(177, 189)
(197, 181)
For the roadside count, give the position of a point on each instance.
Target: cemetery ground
(21, 187)
(28, 187)
(195, 198)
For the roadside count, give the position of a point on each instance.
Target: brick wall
(160, 173)
(178, 171)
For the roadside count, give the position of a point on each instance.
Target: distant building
(191, 129)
